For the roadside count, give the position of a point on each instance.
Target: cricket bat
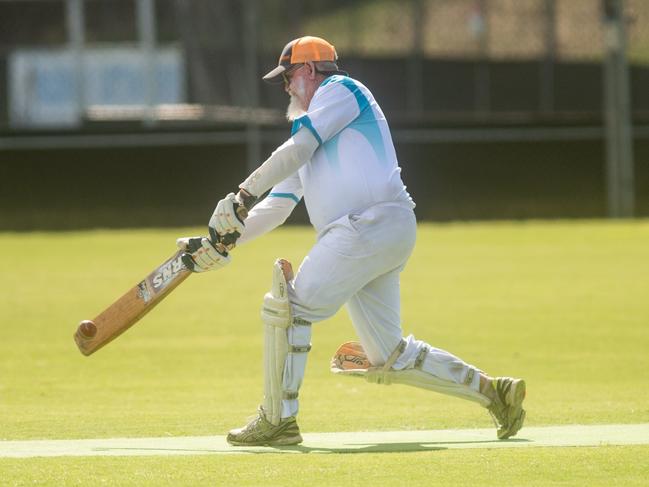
(91, 335)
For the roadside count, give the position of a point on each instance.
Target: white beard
(295, 109)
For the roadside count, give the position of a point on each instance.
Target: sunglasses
(286, 75)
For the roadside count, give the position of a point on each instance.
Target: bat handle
(225, 243)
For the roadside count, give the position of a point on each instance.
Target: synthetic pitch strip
(350, 442)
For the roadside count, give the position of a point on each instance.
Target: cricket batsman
(340, 158)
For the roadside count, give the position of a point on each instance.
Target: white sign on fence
(45, 91)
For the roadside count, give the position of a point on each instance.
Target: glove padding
(227, 219)
(201, 255)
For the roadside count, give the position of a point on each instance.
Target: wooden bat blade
(132, 306)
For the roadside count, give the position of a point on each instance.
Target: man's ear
(312, 70)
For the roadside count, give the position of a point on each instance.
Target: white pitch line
(346, 442)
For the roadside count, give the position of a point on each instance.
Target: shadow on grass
(414, 446)
(399, 447)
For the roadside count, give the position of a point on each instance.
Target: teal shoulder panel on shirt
(366, 122)
(349, 83)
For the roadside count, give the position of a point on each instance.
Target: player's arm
(231, 212)
(273, 210)
(334, 106)
(282, 163)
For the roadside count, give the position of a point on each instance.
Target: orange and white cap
(302, 50)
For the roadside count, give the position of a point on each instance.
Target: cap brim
(274, 76)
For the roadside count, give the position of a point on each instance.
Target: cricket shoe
(261, 432)
(507, 408)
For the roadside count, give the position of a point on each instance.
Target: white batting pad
(286, 344)
(350, 359)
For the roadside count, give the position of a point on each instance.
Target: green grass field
(562, 304)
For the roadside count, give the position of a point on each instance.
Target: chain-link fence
(498, 107)
(429, 59)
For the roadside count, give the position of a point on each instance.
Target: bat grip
(224, 243)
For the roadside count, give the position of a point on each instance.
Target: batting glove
(227, 219)
(201, 255)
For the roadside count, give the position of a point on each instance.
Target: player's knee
(313, 300)
(303, 293)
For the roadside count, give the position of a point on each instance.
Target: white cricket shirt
(355, 165)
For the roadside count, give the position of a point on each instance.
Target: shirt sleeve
(273, 210)
(283, 162)
(336, 104)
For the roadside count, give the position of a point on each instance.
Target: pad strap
(394, 356)
(419, 361)
(380, 375)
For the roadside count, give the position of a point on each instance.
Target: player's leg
(347, 257)
(342, 261)
(286, 343)
(375, 313)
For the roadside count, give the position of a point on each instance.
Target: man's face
(296, 82)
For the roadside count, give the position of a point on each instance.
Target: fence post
(147, 37)
(619, 137)
(253, 133)
(482, 79)
(415, 61)
(547, 65)
(76, 42)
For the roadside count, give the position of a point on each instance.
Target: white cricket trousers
(356, 262)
